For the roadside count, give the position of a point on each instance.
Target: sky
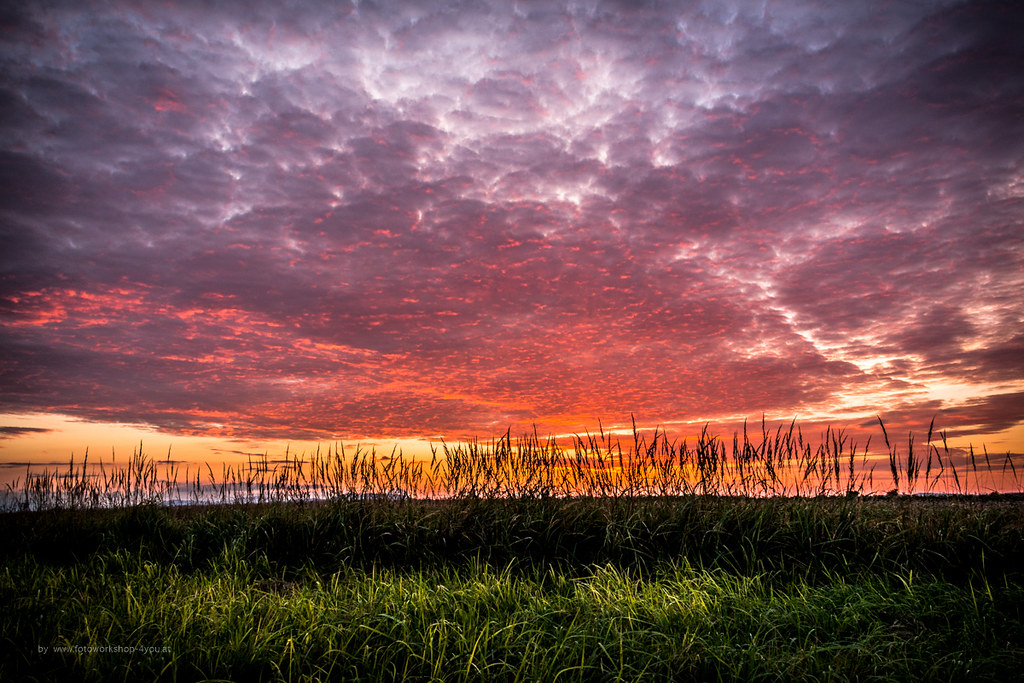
(244, 223)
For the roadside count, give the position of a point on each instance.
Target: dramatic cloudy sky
(323, 220)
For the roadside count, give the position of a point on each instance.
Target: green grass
(238, 619)
(528, 589)
(522, 560)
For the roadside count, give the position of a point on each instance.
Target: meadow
(763, 557)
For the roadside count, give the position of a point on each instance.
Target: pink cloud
(400, 221)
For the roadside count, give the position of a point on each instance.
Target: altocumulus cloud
(402, 219)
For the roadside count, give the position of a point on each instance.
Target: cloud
(419, 219)
(8, 432)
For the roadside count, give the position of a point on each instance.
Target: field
(507, 576)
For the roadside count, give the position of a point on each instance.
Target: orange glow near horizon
(50, 443)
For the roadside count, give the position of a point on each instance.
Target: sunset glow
(247, 228)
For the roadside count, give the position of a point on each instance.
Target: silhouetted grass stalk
(778, 463)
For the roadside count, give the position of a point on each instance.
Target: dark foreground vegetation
(891, 588)
(523, 561)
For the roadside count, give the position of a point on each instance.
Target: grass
(890, 588)
(331, 569)
(774, 463)
(476, 622)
